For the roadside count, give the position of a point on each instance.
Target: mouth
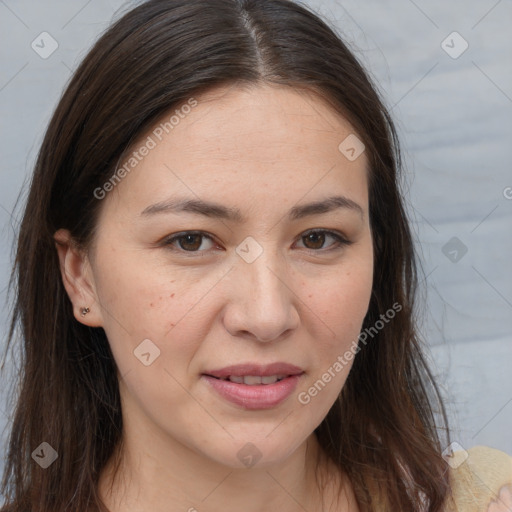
(252, 386)
(252, 380)
(253, 374)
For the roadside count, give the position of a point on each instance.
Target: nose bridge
(264, 279)
(262, 303)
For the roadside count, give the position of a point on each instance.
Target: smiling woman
(235, 310)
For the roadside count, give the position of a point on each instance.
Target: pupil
(187, 239)
(318, 236)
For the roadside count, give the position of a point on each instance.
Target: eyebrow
(216, 210)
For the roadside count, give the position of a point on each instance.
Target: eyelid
(169, 240)
(340, 238)
(337, 235)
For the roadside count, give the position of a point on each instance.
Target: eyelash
(341, 241)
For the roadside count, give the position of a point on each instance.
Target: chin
(259, 452)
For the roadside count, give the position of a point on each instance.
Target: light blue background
(455, 122)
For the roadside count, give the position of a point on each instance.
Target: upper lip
(252, 369)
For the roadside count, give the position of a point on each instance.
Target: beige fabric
(481, 480)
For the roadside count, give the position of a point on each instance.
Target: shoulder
(481, 480)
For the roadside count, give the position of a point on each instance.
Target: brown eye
(314, 240)
(188, 241)
(192, 241)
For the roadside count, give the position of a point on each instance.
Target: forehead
(231, 142)
(251, 115)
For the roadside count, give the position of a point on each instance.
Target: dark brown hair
(384, 429)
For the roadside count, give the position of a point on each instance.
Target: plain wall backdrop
(444, 70)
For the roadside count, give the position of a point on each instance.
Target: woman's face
(263, 284)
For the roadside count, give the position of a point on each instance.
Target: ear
(78, 279)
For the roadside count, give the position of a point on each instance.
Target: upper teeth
(253, 380)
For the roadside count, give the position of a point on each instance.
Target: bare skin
(302, 301)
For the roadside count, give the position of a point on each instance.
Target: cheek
(342, 302)
(139, 302)
(342, 305)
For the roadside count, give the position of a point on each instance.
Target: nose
(261, 300)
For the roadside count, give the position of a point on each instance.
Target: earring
(84, 311)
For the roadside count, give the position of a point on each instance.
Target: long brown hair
(384, 430)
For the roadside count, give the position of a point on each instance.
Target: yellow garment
(481, 480)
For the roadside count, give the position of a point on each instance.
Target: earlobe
(77, 279)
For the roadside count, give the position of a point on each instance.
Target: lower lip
(260, 396)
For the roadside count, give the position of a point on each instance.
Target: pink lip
(262, 396)
(256, 369)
